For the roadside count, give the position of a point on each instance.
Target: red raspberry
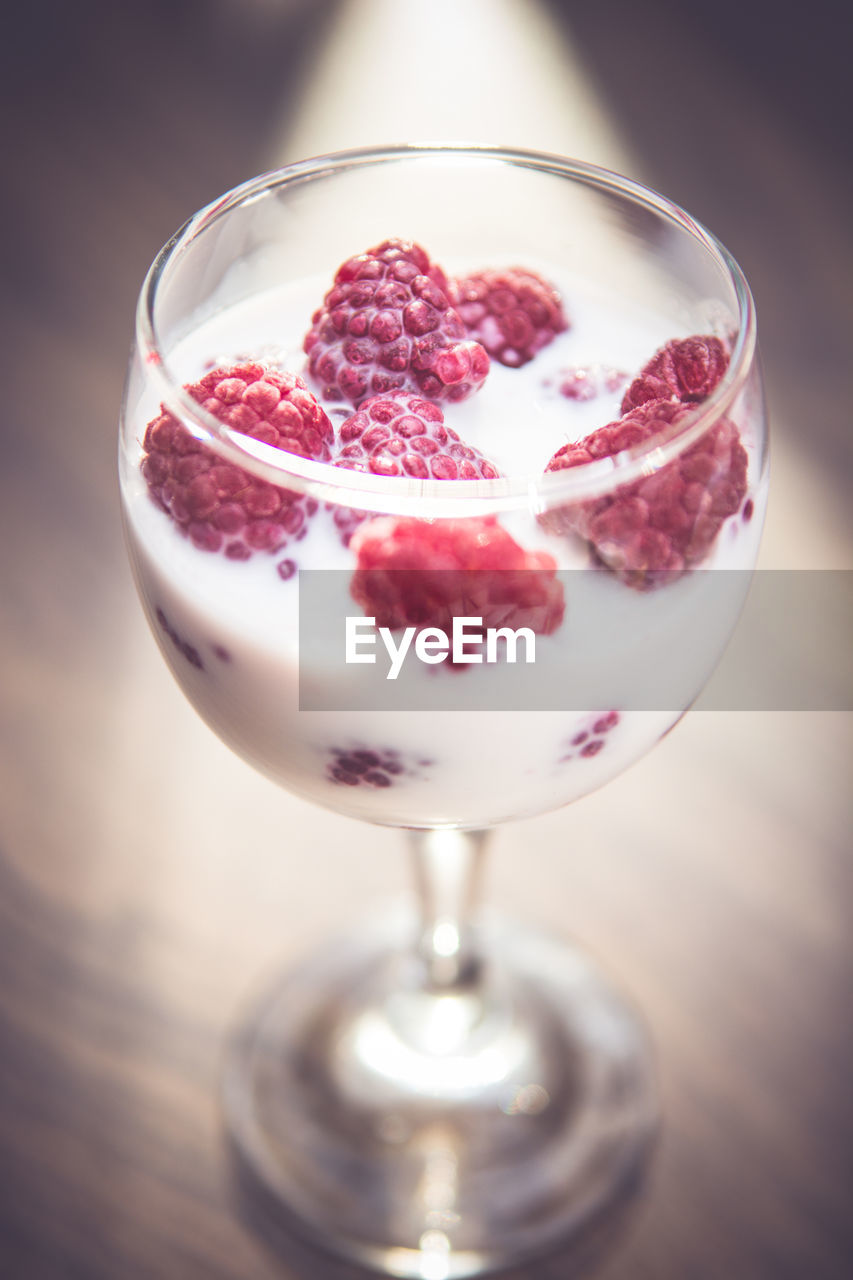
(588, 382)
(514, 313)
(404, 435)
(660, 526)
(189, 651)
(387, 325)
(360, 766)
(347, 520)
(424, 573)
(686, 369)
(219, 505)
(589, 739)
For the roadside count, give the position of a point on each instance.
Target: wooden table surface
(149, 880)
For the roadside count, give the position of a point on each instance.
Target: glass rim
(403, 494)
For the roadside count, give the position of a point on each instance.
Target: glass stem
(448, 865)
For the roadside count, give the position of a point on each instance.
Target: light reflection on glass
(445, 938)
(435, 1247)
(439, 1073)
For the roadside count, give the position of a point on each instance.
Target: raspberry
(219, 505)
(424, 573)
(364, 767)
(587, 382)
(189, 651)
(346, 520)
(589, 740)
(404, 435)
(514, 313)
(663, 524)
(386, 325)
(401, 434)
(686, 369)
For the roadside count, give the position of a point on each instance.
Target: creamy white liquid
(240, 619)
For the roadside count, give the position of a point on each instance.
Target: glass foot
(432, 1133)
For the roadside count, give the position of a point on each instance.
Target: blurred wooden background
(149, 881)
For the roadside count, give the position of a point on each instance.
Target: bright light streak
(484, 71)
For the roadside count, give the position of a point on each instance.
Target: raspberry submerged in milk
(513, 312)
(654, 529)
(424, 573)
(685, 369)
(588, 382)
(402, 435)
(590, 738)
(405, 435)
(387, 324)
(220, 506)
(368, 767)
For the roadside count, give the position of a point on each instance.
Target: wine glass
(440, 1095)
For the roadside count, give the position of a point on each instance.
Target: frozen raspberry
(346, 521)
(590, 739)
(686, 369)
(189, 651)
(514, 313)
(387, 324)
(220, 506)
(424, 573)
(364, 767)
(403, 435)
(587, 382)
(663, 524)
